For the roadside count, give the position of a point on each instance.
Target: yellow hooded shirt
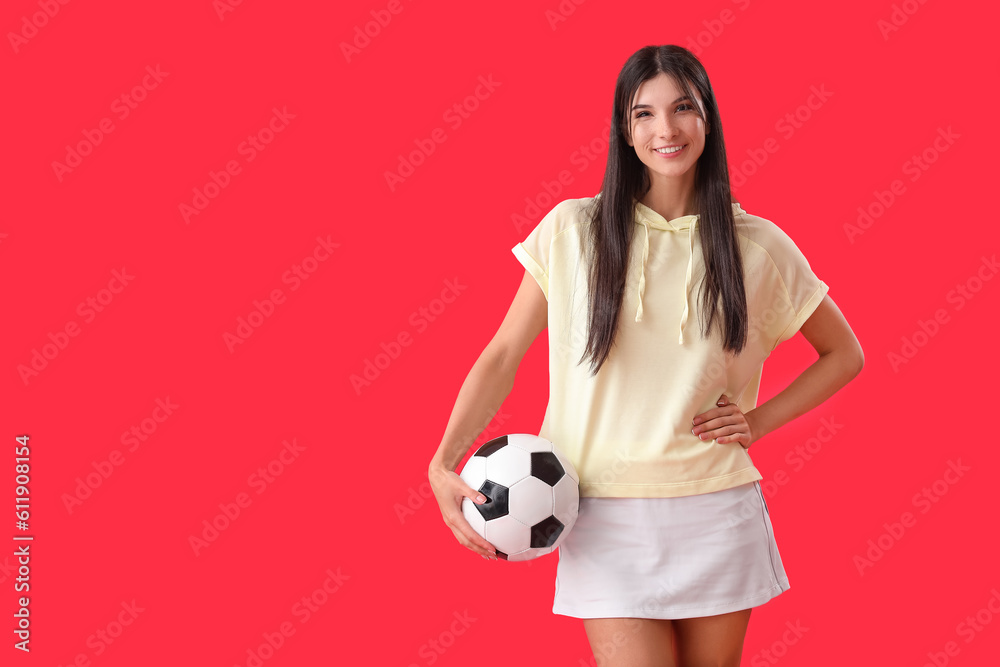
(627, 429)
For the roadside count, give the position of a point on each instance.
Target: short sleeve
(803, 290)
(535, 250)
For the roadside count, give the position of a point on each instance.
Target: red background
(355, 499)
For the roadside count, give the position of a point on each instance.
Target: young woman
(676, 296)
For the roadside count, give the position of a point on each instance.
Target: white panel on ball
(474, 472)
(510, 532)
(567, 500)
(508, 466)
(530, 500)
(528, 554)
(567, 465)
(529, 443)
(473, 516)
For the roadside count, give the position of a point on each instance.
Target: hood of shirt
(686, 224)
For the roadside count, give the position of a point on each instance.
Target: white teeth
(668, 150)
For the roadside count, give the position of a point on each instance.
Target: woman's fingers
(707, 427)
(451, 490)
(725, 424)
(731, 434)
(722, 409)
(481, 546)
(467, 535)
(469, 538)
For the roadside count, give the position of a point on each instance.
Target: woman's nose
(666, 128)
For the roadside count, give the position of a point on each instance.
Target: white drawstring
(687, 279)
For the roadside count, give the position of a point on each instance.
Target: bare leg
(631, 642)
(711, 641)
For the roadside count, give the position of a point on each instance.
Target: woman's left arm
(840, 361)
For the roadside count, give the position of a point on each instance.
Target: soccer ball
(532, 495)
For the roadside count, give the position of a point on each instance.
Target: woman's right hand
(449, 489)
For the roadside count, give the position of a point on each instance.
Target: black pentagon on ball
(545, 533)
(496, 500)
(501, 555)
(493, 445)
(546, 467)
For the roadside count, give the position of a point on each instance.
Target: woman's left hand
(725, 423)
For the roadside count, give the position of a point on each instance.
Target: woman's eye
(679, 107)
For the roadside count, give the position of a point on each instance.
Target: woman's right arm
(483, 392)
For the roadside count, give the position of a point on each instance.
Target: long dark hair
(626, 181)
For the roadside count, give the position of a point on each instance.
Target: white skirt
(685, 557)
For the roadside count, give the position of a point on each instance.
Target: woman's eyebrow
(650, 106)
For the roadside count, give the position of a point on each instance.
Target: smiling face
(661, 117)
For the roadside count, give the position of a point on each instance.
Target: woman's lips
(674, 154)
